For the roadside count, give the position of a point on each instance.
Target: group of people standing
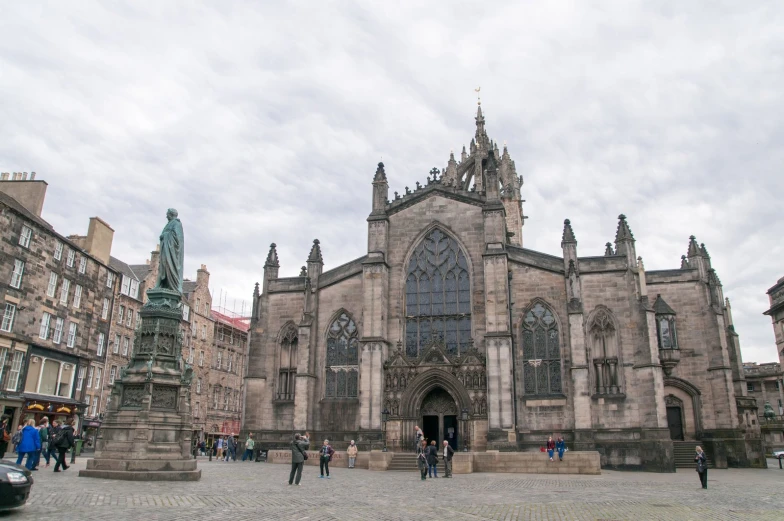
(299, 447)
(427, 459)
(32, 442)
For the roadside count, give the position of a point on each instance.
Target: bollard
(210, 454)
(73, 454)
(780, 462)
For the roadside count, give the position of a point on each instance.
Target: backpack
(58, 438)
(17, 438)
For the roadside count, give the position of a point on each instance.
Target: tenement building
(766, 381)
(56, 294)
(449, 322)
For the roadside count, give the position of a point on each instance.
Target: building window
(196, 411)
(90, 377)
(83, 264)
(80, 379)
(71, 258)
(105, 309)
(24, 237)
(43, 333)
(109, 279)
(112, 374)
(134, 289)
(116, 346)
(215, 397)
(138, 320)
(15, 372)
(16, 275)
(50, 377)
(198, 386)
(186, 312)
(288, 364)
(198, 304)
(98, 377)
(64, 292)
(231, 362)
(71, 334)
(190, 356)
(126, 343)
(51, 289)
(95, 406)
(438, 296)
(604, 353)
(221, 335)
(57, 337)
(665, 324)
(342, 359)
(101, 340)
(207, 309)
(541, 352)
(129, 318)
(77, 301)
(120, 314)
(204, 332)
(58, 250)
(8, 318)
(750, 387)
(218, 363)
(201, 358)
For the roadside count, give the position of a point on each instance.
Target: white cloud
(264, 123)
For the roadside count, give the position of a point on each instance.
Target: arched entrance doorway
(439, 415)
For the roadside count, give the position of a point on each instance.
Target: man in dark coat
(64, 440)
(448, 453)
(432, 459)
(298, 448)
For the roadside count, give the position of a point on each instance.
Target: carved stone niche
(133, 395)
(164, 397)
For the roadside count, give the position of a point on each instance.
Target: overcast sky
(265, 124)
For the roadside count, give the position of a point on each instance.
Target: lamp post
(384, 418)
(464, 417)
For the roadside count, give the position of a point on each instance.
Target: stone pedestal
(146, 435)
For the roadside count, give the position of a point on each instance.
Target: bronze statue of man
(172, 254)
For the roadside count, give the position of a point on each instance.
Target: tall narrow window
(101, 340)
(129, 318)
(58, 250)
(71, 334)
(97, 378)
(342, 378)
(665, 324)
(77, 301)
(541, 352)
(201, 358)
(15, 372)
(105, 309)
(24, 237)
(16, 275)
(109, 279)
(198, 386)
(94, 410)
(438, 296)
(80, 379)
(90, 377)
(8, 318)
(218, 362)
(57, 336)
(3, 357)
(116, 346)
(43, 333)
(126, 344)
(71, 258)
(288, 364)
(112, 374)
(604, 353)
(51, 289)
(134, 292)
(64, 292)
(83, 264)
(120, 314)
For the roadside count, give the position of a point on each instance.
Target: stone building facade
(57, 295)
(450, 323)
(766, 381)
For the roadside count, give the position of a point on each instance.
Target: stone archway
(440, 417)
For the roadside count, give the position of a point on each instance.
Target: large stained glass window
(288, 364)
(541, 352)
(438, 296)
(342, 373)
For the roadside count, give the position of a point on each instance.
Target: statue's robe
(172, 257)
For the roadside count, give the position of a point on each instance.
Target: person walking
(53, 430)
(63, 441)
(249, 444)
(419, 436)
(325, 456)
(422, 459)
(203, 447)
(5, 437)
(29, 445)
(43, 433)
(16, 439)
(298, 456)
(550, 447)
(702, 466)
(231, 448)
(432, 460)
(221, 442)
(351, 452)
(448, 453)
(560, 446)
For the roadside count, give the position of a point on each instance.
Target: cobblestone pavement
(260, 491)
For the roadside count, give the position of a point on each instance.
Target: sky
(263, 122)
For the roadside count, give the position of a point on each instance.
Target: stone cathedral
(450, 323)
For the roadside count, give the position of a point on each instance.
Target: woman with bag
(422, 458)
(29, 445)
(702, 466)
(326, 453)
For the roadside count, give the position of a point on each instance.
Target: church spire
(624, 241)
(315, 253)
(272, 257)
(694, 249)
(381, 175)
(568, 233)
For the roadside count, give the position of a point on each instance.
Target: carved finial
(704, 251)
(380, 174)
(694, 249)
(397, 196)
(408, 190)
(608, 250)
(303, 272)
(684, 262)
(568, 233)
(272, 257)
(640, 264)
(315, 252)
(256, 290)
(623, 233)
(463, 154)
(418, 185)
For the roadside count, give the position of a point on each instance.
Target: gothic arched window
(342, 371)
(604, 353)
(541, 352)
(438, 296)
(287, 375)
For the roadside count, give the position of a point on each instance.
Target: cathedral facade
(449, 323)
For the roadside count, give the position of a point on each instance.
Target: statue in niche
(172, 254)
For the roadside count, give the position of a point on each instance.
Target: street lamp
(384, 418)
(464, 417)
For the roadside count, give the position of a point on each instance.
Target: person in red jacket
(550, 447)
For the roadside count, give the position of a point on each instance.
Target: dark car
(15, 485)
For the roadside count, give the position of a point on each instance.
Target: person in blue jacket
(560, 446)
(30, 445)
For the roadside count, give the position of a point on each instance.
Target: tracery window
(438, 296)
(288, 365)
(604, 353)
(541, 352)
(342, 368)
